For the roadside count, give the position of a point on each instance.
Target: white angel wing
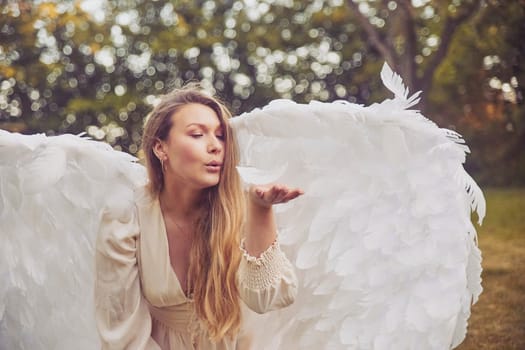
(382, 239)
(52, 192)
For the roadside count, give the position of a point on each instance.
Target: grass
(498, 319)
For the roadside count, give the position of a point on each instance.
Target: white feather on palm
(382, 240)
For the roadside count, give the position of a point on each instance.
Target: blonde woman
(175, 272)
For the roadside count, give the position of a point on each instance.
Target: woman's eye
(220, 137)
(196, 135)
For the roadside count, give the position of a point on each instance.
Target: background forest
(96, 66)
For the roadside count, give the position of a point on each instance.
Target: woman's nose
(215, 145)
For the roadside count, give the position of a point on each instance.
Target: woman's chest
(179, 248)
(159, 281)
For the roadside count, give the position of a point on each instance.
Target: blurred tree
(66, 67)
(484, 74)
(414, 37)
(47, 63)
(468, 58)
(101, 76)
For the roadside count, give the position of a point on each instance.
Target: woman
(173, 273)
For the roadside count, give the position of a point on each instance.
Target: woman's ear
(158, 149)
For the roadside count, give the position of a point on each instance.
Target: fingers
(278, 194)
(292, 194)
(259, 192)
(284, 194)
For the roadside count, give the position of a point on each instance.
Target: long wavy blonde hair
(215, 255)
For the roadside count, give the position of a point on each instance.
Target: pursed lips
(214, 165)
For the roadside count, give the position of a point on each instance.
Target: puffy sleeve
(122, 315)
(268, 282)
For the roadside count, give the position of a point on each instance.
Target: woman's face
(194, 147)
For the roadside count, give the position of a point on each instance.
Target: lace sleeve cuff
(263, 272)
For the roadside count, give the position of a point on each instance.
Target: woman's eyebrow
(204, 126)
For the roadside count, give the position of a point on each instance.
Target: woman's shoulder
(147, 209)
(120, 215)
(142, 196)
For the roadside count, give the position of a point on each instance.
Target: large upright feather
(394, 83)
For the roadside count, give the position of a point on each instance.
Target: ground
(498, 319)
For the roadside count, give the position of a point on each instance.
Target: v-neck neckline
(164, 234)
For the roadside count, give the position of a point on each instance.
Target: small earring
(162, 164)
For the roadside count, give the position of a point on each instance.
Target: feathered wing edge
(477, 200)
(474, 195)
(395, 84)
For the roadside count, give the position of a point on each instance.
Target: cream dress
(138, 298)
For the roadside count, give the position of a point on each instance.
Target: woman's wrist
(261, 230)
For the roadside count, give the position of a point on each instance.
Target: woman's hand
(261, 229)
(268, 195)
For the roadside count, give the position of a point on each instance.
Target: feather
(477, 201)
(394, 83)
(47, 167)
(252, 175)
